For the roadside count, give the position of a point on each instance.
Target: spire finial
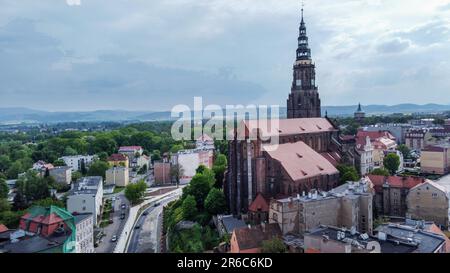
(303, 5)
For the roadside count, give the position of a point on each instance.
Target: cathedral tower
(304, 101)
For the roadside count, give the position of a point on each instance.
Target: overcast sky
(153, 54)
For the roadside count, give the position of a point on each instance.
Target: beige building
(118, 176)
(417, 139)
(435, 159)
(349, 205)
(429, 201)
(62, 175)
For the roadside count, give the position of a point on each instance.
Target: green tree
(404, 150)
(5, 163)
(176, 171)
(83, 168)
(143, 169)
(215, 202)
(189, 208)
(76, 175)
(199, 187)
(176, 148)
(4, 205)
(14, 170)
(103, 156)
(221, 160)
(19, 202)
(391, 162)
(135, 192)
(29, 188)
(69, 151)
(380, 171)
(347, 173)
(4, 189)
(200, 169)
(47, 202)
(59, 163)
(98, 168)
(10, 218)
(219, 168)
(275, 245)
(156, 155)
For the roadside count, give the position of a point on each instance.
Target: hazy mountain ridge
(26, 115)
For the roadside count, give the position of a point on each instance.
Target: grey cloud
(395, 45)
(112, 81)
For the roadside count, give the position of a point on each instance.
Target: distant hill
(385, 109)
(26, 115)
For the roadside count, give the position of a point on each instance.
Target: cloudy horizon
(80, 55)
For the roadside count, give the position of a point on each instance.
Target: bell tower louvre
(304, 101)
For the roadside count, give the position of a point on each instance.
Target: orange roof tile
(300, 161)
(285, 127)
(259, 204)
(3, 228)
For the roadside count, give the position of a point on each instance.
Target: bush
(215, 202)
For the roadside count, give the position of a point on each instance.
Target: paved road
(147, 238)
(106, 246)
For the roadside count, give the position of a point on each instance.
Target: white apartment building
(75, 161)
(86, 197)
(190, 160)
(84, 233)
(366, 155)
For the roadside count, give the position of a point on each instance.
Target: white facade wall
(85, 236)
(86, 203)
(189, 162)
(75, 161)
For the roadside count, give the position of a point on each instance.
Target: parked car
(122, 216)
(114, 238)
(156, 204)
(137, 226)
(145, 212)
(123, 206)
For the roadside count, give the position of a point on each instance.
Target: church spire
(303, 50)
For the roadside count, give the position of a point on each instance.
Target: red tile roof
(436, 230)
(374, 135)
(286, 127)
(117, 157)
(259, 204)
(333, 157)
(379, 139)
(249, 238)
(128, 148)
(300, 161)
(3, 228)
(407, 182)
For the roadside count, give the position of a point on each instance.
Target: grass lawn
(118, 189)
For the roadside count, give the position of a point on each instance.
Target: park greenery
(391, 162)
(380, 171)
(19, 151)
(201, 200)
(135, 192)
(347, 173)
(274, 245)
